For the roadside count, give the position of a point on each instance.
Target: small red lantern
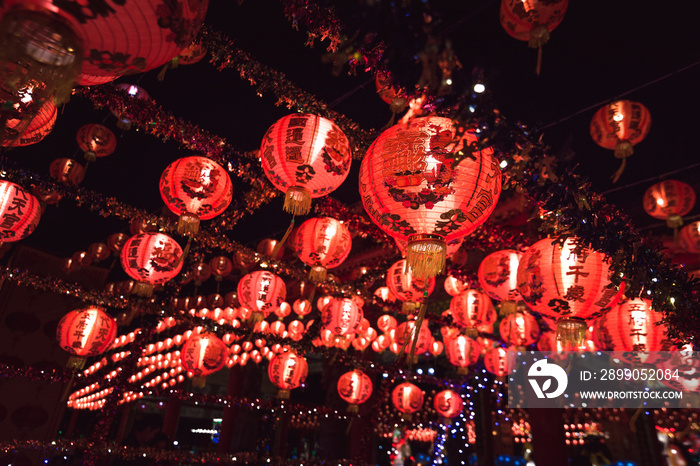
(498, 276)
(261, 292)
(305, 156)
(462, 352)
(519, 329)
(86, 332)
(20, 212)
(619, 126)
(287, 371)
(406, 335)
(202, 355)
(96, 141)
(669, 200)
(322, 243)
(355, 387)
(689, 237)
(67, 171)
(221, 267)
(152, 259)
(472, 308)
(417, 184)
(454, 286)
(406, 287)
(195, 188)
(407, 398)
(24, 130)
(496, 361)
(448, 403)
(342, 316)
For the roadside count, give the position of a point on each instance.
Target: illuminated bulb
(479, 88)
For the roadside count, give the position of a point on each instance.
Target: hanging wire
(653, 178)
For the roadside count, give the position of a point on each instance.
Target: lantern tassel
(199, 382)
(297, 201)
(426, 255)
(618, 173)
(188, 224)
(75, 363)
(318, 274)
(278, 247)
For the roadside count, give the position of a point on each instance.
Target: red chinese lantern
(406, 335)
(669, 200)
(133, 92)
(568, 282)
(496, 361)
(305, 156)
(532, 21)
(195, 188)
(406, 287)
(498, 276)
(67, 171)
(287, 371)
(462, 352)
(20, 212)
(322, 243)
(689, 237)
(355, 387)
(619, 126)
(418, 185)
(448, 403)
(221, 267)
(24, 129)
(342, 316)
(202, 355)
(407, 398)
(96, 141)
(86, 332)
(472, 308)
(151, 259)
(454, 286)
(519, 329)
(261, 292)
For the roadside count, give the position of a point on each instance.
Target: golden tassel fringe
(426, 256)
(571, 334)
(76, 363)
(283, 394)
(318, 274)
(144, 289)
(508, 307)
(623, 149)
(199, 381)
(297, 201)
(188, 224)
(471, 332)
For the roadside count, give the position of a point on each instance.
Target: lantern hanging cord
(653, 178)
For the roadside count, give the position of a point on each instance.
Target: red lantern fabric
(632, 326)
(86, 332)
(496, 361)
(448, 403)
(355, 387)
(203, 354)
(407, 398)
(153, 258)
(24, 130)
(689, 237)
(532, 20)
(195, 188)
(96, 141)
(67, 171)
(405, 286)
(20, 212)
(498, 275)
(416, 186)
(556, 281)
(669, 200)
(519, 329)
(322, 243)
(462, 352)
(620, 125)
(472, 308)
(342, 316)
(454, 286)
(305, 156)
(405, 335)
(261, 292)
(287, 370)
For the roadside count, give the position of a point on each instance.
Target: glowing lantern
(454, 286)
(133, 92)
(152, 259)
(406, 287)
(496, 361)
(202, 355)
(568, 282)
(448, 403)
(67, 171)
(221, 267)
(472, 308)
(669, 200)
(305, 156)
(532, 21)
(342, 316)
(407, 398)
(322, 243)
(519, 329)
(20, 212)
(24, 129)
(689, 237)
(195, 188)
(419, 185)
(619, 126)
(261, 292)
(498, 276)
(462, 352)
(96, 141)
(287, 371)
(355, 387)
(406, 335)
(86, 332)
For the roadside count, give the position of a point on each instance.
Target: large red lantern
(202, 355)
(420, 184)
(322, 243)
(287, 371)
(195, 188)
(20, 212)
(498, 276)
(462, 352)
(448, 403)
(689, 237)
(405, 286)
(669, 200)
(619, 126)
(519, 329)
(342, 316)
(472, 308)
(86, 332)
(407, 398)
(261, 292)
(496, 361)
(355, 387)
(151, 259)
(633, 326)
(568, 282)
(305, 156)
(30, 128)
(96, 141)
